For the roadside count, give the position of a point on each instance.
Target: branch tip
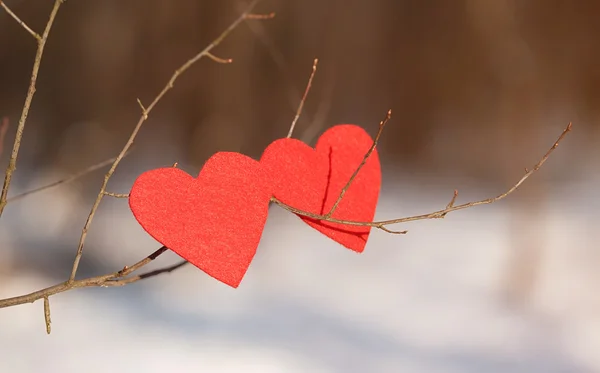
(303, 100)
(385, 120)
(451, 203)
(260, 16)
(385, 229)
(218, 59)
(47, 314)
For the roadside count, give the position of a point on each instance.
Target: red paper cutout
(214, 221)
(311, 180)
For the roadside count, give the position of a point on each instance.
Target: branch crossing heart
(215, 221)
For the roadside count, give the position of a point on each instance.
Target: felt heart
(214, 221)
(311, 179)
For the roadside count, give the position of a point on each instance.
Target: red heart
(214, 221)
(311, 180)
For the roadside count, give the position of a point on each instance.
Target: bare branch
(367, 155)
(301, 105)
(35, 35)
(436, 214)
(69, 179)
(12, 164)
(111, 279)
(127, 274)
(120, 278)
(143, 276)
(145, 112)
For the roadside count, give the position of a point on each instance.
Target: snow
(429, 301)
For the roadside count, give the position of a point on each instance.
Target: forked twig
(124, 276)
(156, 272)
(35, 35)
(111, 279)
(361, 165)
(145, 112)
(433, 215)
(12, 164)
(121, 278)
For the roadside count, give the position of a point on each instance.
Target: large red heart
(214, 221)
(311, 180)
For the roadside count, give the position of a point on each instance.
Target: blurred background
(480, 89)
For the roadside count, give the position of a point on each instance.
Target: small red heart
(311, 179)
(214, 221)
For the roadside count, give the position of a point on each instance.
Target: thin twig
(69, 179)
(301, 105)
(219, 59)
(383, 228)
(361, 165)
(145, 112)
(119, 278)
(156, 272)
(98, 281)
(452, 201)
(117, 195)
(259, 16)
(433, 215)
(47, 315)
(35, 35)
(12, 164)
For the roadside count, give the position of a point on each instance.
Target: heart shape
(214, 221)
(311, 179)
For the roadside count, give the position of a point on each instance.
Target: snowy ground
(429, 301)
